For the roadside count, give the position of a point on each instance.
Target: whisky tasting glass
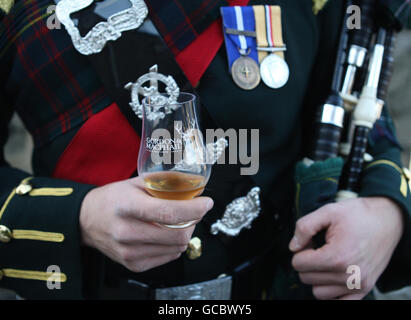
(173, 156)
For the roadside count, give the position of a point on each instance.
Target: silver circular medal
(274, 71)
(246, 73)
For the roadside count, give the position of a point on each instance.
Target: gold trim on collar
(6, 5)
(318, 5)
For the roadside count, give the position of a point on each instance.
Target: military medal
(274, 71)
(239, 34)
(245, 73)
(273, 67)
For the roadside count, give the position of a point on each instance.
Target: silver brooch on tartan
(95, 40)
(167, 102)
(239, 214)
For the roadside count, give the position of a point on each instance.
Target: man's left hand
(362, 232)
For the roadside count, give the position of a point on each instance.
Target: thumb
(308, 226)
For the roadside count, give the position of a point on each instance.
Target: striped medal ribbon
(274, 69)
(239, 35)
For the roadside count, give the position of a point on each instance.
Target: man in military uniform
(87, 219)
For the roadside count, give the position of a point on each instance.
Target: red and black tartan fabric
(181, 21)
(41, 70)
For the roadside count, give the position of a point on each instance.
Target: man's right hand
(119, 220)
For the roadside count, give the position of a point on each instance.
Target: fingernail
(294, 244)
(210, 204)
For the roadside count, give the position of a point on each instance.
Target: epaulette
(6, 5)
(318, 5)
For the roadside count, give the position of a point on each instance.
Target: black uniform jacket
(55, 90)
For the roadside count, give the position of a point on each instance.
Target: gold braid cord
(318, 5)
(6, 5)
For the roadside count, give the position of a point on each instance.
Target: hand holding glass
(172, 158)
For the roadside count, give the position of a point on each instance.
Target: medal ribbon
(240, 19)
(269, 30)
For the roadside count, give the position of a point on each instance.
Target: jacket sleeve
(384, 176)
(40, 240)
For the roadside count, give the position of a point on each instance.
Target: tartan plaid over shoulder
(181, 21)
(44, 79)
(53, 87)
